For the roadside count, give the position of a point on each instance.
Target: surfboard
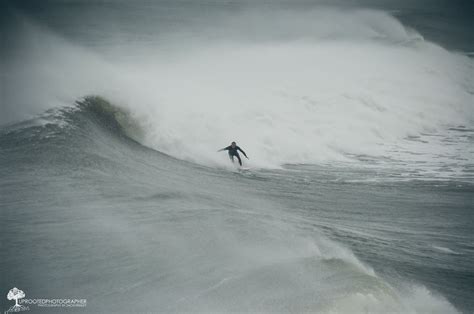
(243, 169)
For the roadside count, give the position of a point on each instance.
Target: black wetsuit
(233, 151)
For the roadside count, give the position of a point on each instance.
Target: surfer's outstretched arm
(242, 152)
(225, 148)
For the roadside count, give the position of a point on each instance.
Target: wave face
(291, 87)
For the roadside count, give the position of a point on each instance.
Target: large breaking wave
(290, 87)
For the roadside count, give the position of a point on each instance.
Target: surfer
(233, 151)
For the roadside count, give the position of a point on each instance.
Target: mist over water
(359, 129)
(295, 87)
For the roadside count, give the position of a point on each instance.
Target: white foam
(444, 249)
(417, 300)
(303, 101)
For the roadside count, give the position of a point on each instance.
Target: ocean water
(358, 118)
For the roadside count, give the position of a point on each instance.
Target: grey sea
(357, 118)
